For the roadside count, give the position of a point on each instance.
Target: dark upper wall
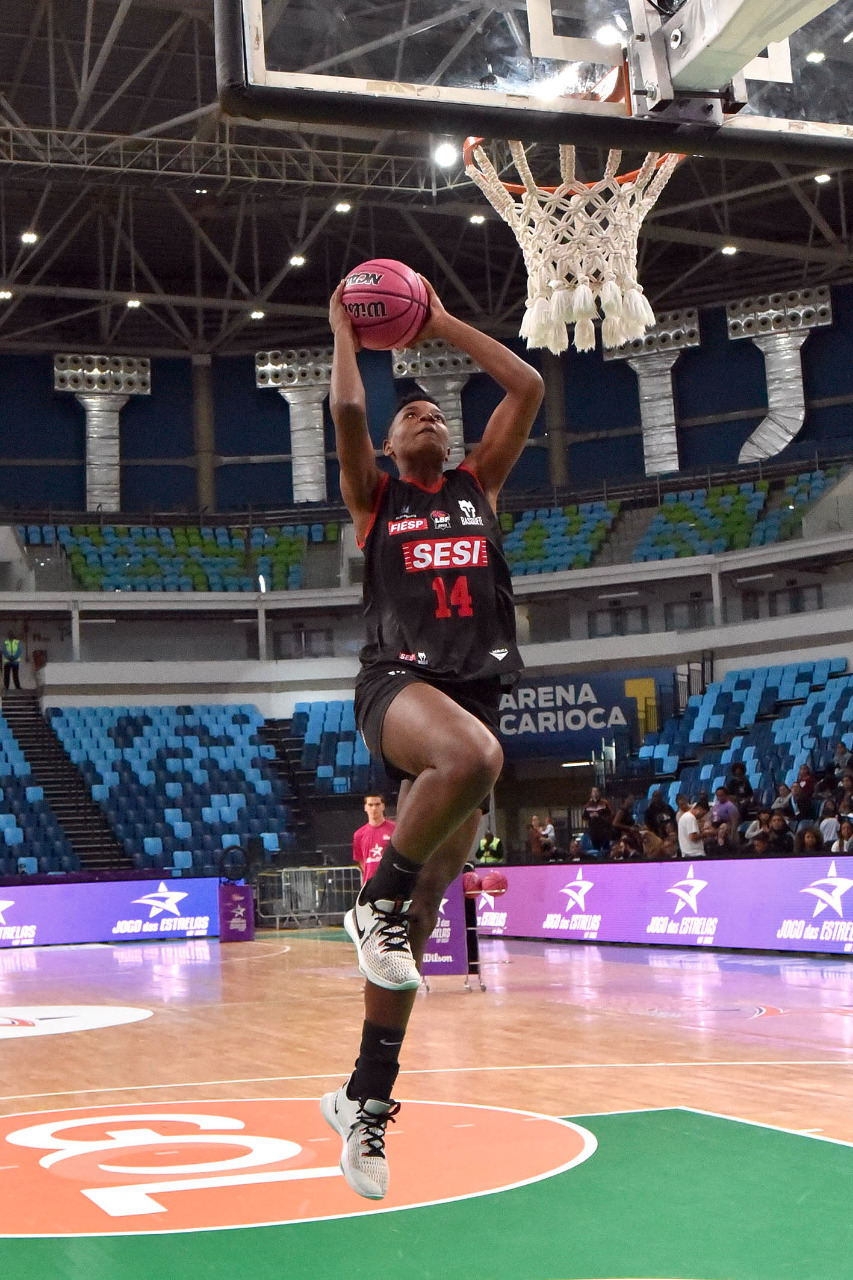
(43, 447)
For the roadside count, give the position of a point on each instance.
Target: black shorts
(377, 687)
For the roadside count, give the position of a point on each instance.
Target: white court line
(431, 1071)
(759, 1124)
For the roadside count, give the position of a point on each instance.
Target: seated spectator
(844, 841)
(575, 850)
(841, 760)
(690, 822)
(658, 813)
(598, 817)
(759, 845)
(783, 795)
(740, 788)
(669, 847)
(800, 810)
(761, 823)
(808, 840)
(490, 849)
(806, 781)
(537, 846)
(829, 822)
(826, 785)
(628, 847)
(548, 832)
(845, 791)
(845, 807)
(721, 841)
(724, 809)
(781, 841)
(652, 844)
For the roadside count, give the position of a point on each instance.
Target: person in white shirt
(829, 823)
(690, 838)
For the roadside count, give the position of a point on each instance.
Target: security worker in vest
(11, 652)
(491, 850)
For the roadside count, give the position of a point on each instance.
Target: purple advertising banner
(107, 911)
(446, 950)
(769, 904)
(236, 913)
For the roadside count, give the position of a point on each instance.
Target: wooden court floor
(133, 1146)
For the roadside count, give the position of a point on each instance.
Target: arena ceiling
(113, 151)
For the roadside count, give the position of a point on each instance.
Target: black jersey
(437, 589)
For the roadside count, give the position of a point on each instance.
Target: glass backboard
(768, 78)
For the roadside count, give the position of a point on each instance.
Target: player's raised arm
(509, 426)
(360, 475)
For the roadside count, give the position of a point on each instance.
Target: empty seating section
(697, 522)
(550, 539)
(772, 719)
(178, 558)
(334, 750)
(31, 840)
(179, 785)
(786, 520)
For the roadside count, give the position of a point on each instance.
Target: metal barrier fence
(300, 896)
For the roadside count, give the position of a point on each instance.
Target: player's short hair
(411, 397)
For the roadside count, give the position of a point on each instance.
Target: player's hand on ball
(436, 316)
(339, 317)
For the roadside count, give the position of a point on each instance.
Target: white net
(579, 243)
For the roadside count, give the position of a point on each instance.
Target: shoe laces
(393, 932)
(373, 1128)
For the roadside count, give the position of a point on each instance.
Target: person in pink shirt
(368, 843)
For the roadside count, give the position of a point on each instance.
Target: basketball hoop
(579, 242)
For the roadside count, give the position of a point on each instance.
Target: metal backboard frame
(660, 89)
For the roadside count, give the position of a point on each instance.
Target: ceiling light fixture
(5, 295)
(477, 218)
(257, 315)
(445, 155)
(823, 178)
(343, 206)
(729, 250)
(297, 260)
(134, 304)
(816, 57)
(29, 237)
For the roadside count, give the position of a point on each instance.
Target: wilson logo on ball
(365, 277)
(387, 303)
(445, 553)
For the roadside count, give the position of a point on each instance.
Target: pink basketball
(387, 302)
(495, 882)
(471, 884)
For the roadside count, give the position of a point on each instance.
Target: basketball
(495, 882)
(471, 884)
(387, 303)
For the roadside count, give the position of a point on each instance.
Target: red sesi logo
(410, 525)
(445, 553)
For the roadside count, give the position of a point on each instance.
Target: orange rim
(518, 189)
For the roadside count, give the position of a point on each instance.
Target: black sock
(377, 1064)
(394, 878)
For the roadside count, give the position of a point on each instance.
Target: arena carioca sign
(572, 715)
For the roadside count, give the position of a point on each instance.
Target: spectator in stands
(740, 788)
(829, 822)
(759, 845)
(490, 849)
(369, 841)
(598, 817)
(669, 848)
(800, 810)
(724, 810)
(575, 850)
(12, 651)
(845, 791)
(826, 785)
(845, 807)
(761, 823)
(844, 840)
(652, 844)
(682, 804)
(623, 819)
(721, 841)
(538, 846)
(806, 781)
(548, 832)
(690, 822)
(783, 794)
(841, 760)
(658, 813)
(781, 841)
(808, 840)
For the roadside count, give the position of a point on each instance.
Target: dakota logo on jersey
(413, 524)
(440, 519)
(469, 513)
(445, 553)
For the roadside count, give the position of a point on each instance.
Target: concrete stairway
(628, 529)
(65, 788)
(288, 750)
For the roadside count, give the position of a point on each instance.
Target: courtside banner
(770, 904)
(573, 715)
(108, 911)
(446, 950)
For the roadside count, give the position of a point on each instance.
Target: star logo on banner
(3, 907)
(163, 900)
(687, 891)
(442, 906)
(829, 897)
(577, 890)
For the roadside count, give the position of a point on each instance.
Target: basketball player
(440, 644)
(369, 841)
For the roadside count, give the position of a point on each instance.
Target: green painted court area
(669, 1194)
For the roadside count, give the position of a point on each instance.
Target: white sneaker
(361, 1124)
(380, 932)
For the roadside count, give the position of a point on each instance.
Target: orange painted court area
(185, 1166)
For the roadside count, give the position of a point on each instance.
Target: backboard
(763, 78)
